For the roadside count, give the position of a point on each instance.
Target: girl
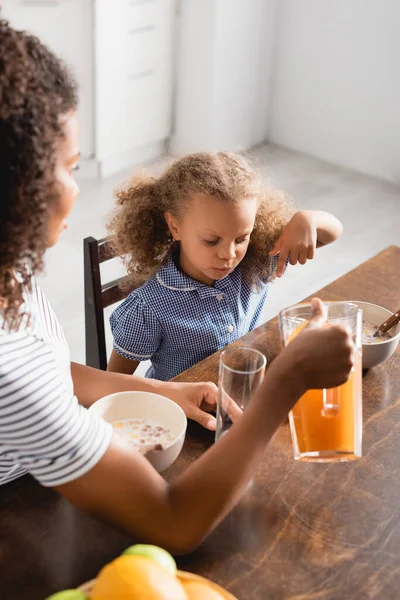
(205, 237)
(44, 429)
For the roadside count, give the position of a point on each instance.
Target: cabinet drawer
(149, 42)
(150, 106)
(146, 48)
(142, 13)
(131, 35)
(135, 114)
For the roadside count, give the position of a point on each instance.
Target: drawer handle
(137, 2)
(41, 2)
(143, 29)
(143, 74)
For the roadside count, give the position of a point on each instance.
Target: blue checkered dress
(176, 321)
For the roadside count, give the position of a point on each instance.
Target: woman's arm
(196, 399)
(91, 384)
(125, 490)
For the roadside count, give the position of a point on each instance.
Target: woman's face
(67, 188)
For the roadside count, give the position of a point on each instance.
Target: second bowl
(376, 353)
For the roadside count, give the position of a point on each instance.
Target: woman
(44, 427)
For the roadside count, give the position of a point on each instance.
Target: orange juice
(326, 424)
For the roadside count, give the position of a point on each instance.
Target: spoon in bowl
(388, 324)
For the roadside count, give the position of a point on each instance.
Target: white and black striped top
(43, 429)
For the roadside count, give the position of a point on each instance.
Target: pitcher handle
(331, 401)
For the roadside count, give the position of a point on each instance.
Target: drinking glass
(241, 371)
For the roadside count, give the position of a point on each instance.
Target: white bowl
(144, 405)
(374, 354)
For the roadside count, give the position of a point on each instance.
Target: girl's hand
(197, 400)
(297, 242)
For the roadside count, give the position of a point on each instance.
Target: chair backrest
(97, 297)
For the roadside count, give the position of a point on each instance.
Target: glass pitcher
(326, 425)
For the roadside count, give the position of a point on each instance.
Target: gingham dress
(176, 321)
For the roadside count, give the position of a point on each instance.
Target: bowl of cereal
(154, 425)
(376, 349)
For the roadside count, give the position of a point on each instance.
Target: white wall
(223, 74)
(336, 92)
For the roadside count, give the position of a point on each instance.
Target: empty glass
(241, 371)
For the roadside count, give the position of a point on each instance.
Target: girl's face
(67, 188)
(214, 236)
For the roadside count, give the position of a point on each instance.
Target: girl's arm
(328, 227)
(306, 231)
(125, 490)
(120, 364)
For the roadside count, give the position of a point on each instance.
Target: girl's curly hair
(139, 230)
(36, 89)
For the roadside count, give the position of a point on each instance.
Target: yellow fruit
(136, 578)
(196, 590)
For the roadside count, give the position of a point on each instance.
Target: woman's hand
(198, 400)
(319, 357)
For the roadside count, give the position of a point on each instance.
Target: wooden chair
(97, 297)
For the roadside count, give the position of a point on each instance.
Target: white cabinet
(122, 53)
(134, 42)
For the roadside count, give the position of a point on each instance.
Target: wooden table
(302, 532)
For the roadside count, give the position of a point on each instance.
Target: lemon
(155, 553)
(136, 578)
(68, 595)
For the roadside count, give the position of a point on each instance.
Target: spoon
(388, 324)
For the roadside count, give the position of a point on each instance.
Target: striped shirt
(44, 431)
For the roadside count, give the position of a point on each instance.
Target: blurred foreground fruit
(155, 553)
(68, 595)
(196, 590)
(136, 578)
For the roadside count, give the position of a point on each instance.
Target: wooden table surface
(303, 531)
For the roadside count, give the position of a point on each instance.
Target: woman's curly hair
(36, 89)
(139, 230)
